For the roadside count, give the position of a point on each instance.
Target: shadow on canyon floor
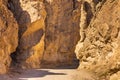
(49, 74)
(37, 73)
(57, 73)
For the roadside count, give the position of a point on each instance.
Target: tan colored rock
(61, 28)
(115, 76)
(61, 32)
(99, 51)
(31, 46)
(8, 36)
(25, 12)
(30, 15)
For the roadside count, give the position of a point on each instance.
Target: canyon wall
(99, 47)
(8, 36)
(61, 31)
(30, 15)
(50, 29)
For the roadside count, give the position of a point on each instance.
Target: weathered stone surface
(99, 48)
(32, 46)
(8, 36)
(61, 31)
(30, 15)
(31, 43)
(50, 29)
(25, 12)
(59, 36)
(115, 76)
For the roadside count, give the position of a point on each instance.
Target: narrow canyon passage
(56, 24)
(59, 39)
(48, 33)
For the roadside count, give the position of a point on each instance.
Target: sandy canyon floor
(48, 74)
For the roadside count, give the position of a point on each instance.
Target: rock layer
(100, 48)
(8, 36)
(50, 39)
(61, 31)
(31, 44)
(50, 29)
(38, 43)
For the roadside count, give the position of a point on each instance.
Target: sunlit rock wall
(99, 47)
(8, 36)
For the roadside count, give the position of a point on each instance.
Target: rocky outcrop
(8, 36)
(115, 76)
(48, 31)
(31, 22)
(99, 47)
(61, 31)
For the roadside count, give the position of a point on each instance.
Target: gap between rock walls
(38, 33)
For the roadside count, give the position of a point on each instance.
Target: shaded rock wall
(99, 47)
(8, 36)
(61, 31)
(30, 15)
(48, 31)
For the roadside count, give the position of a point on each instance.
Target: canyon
(36, 34)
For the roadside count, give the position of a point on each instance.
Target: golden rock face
(50, 29)
(36, 45)
(99, 50)
(8, 37)
(32, 43)
(61, 31)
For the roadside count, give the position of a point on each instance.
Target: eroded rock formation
(8, 36)
(31, 17)
(99, 50)
(49, 31)
(61, 31)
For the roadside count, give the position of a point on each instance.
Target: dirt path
(49, 74)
